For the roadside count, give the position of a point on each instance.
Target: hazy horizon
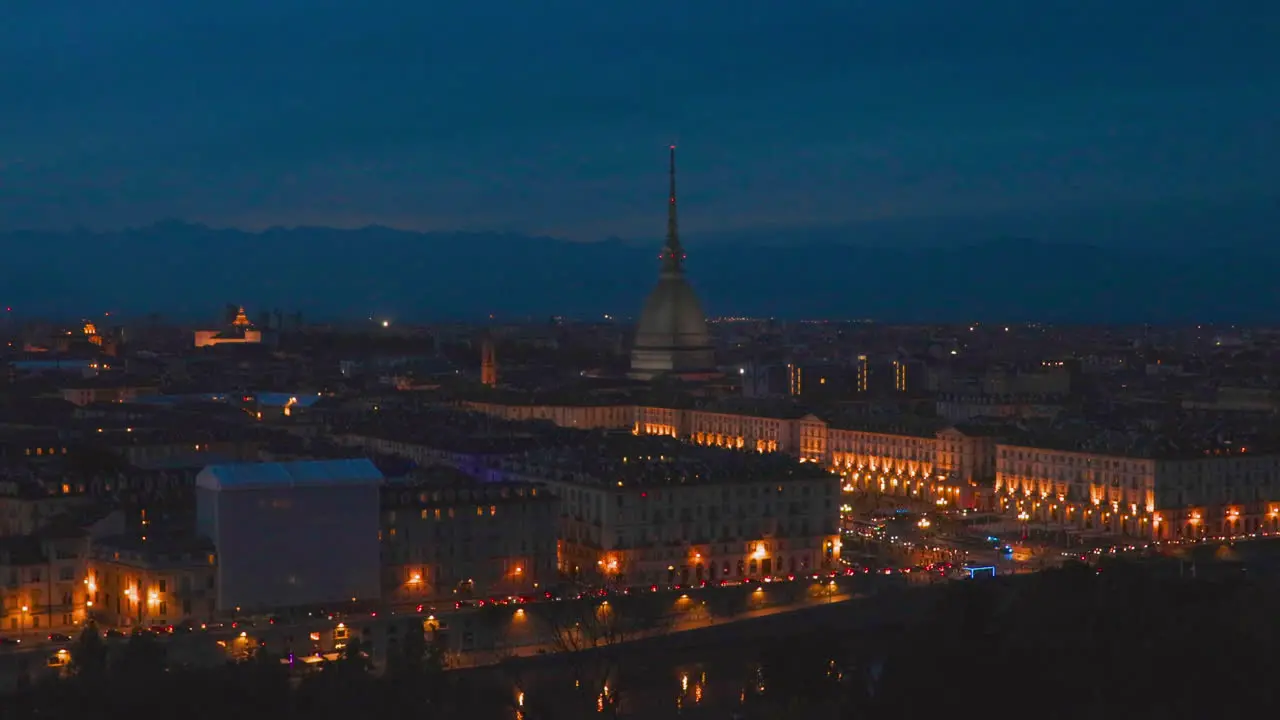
(331, 273)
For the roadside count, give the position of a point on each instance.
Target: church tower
(488, 363)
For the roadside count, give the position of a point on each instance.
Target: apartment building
(1142, 491)
(145, 581)
(653, 510)
(43, 582)
(446, 536)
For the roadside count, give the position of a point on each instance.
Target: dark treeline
(1067, 643)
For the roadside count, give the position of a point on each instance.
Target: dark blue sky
(1087, 119)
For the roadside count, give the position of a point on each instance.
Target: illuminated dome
(672, 337)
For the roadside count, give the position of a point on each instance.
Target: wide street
(683, 622)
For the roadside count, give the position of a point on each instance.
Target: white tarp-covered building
(292, 534)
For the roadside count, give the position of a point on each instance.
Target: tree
(89, 655)
(141, 659)
(409, 658)
(344, 688)
(415, 668)
(352, 662)
(578, 626)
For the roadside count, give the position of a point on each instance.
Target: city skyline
(346, 369)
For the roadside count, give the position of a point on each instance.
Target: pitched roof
(303, 473)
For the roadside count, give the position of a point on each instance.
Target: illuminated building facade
(459, 538)
(721, 429)
(137, 581)
(1151, 496)
(935, 462)
(241, 332)
(961, 462)
(930, 462)
(725, 517)
(43, 583)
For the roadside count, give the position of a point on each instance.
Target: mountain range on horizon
(344, 274)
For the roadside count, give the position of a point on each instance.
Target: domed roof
(672, 317)
(672, 337)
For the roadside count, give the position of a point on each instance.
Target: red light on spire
(673, 147)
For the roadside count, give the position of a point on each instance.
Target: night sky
(1038, 117)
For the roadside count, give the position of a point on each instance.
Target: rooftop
(303, 473)
(784, 409)
(161, 549)
(451, 430)
(452, 487)
(644, 461)
(1160, 441)
(914, 426)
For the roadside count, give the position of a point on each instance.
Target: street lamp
(132, 594)
(22, 622)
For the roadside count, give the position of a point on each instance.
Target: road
(686, 622)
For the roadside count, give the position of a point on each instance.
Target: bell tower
(488, 363)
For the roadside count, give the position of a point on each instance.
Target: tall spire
(673, 253)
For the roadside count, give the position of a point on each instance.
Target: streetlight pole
(22, 623)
